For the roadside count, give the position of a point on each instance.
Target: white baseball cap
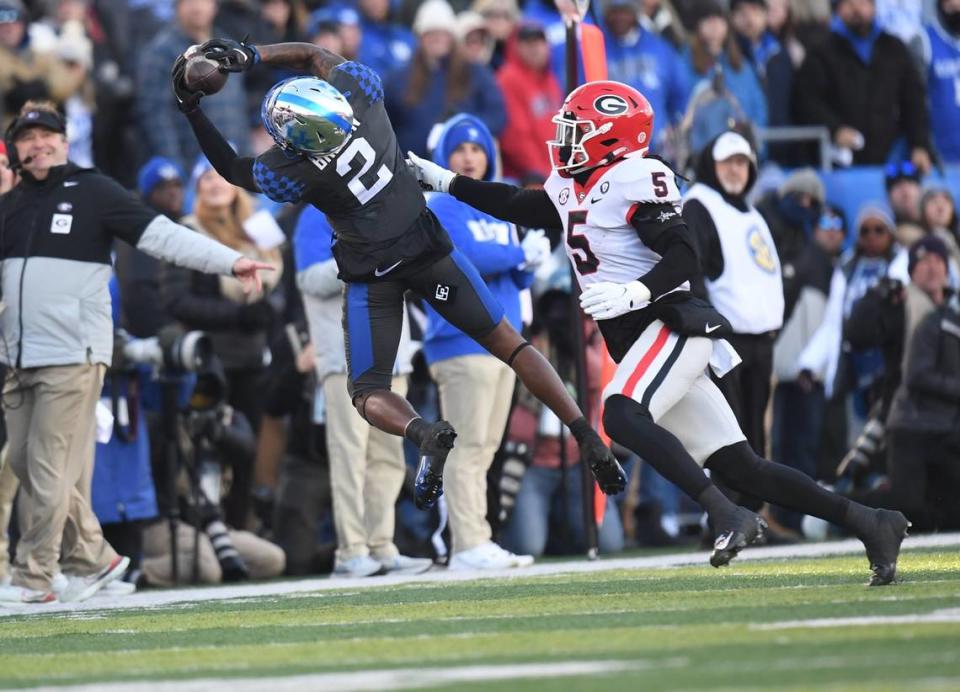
(730, 144)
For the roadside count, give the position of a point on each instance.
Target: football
(203, 74)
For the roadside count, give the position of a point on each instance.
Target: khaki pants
(475, 395)
(366, 473)
(8, 491)
(50, 415)
(263, 559)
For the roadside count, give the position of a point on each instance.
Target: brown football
(203, 74)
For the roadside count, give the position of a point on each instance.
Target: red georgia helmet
(599, 123)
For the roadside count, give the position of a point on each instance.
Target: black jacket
(196, 301)
(883, 100)
(878, 320)
(929, 396)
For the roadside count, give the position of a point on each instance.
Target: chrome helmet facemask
(308, 116)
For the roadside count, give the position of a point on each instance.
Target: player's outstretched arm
(530, 208)
(237, 170)
(234, 56)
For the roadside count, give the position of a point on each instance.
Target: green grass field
(681, 628)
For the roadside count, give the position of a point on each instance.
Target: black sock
(630, 424)
(740, 468)
(415, 431)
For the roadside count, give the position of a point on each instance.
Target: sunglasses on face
(873, 229)
(830, 223)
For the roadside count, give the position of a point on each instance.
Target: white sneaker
(488, 556)
(360, 566)
(59, 583)
(81, 588)
(402, 564)
(20, 594)
(118, 587)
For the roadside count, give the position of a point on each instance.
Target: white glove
(536, 249)
(606, 299)
(431, 177)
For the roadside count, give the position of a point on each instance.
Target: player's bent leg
(538, 376)
(392, 413)
(882, 531)
(631, 424)
(454, 288)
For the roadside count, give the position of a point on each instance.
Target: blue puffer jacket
(489, 243)
(413, 123)
(122, 486)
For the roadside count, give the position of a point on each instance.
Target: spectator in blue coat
(714, 48)
(123, 494)
(941, 56)
(386, 45)
(439, 82)
(647, 62)
(165, 131)
(768, 58)
(475, 388)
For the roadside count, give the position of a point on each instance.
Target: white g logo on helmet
(610, 104)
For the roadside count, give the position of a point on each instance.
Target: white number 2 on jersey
(361, 147)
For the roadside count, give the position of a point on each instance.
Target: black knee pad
(734, 463)
(621, 412)
(359, 399)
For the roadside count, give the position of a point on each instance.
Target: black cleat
(744, 528)
(438, 441)
(605, 467)
(882, 542)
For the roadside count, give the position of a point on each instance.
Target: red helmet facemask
(599, 123)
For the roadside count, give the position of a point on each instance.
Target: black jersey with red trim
(373, 202)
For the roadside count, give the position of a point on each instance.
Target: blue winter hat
(156, 171)
(461, 128)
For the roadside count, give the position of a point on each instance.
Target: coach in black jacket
(57, 227)
(861, 80)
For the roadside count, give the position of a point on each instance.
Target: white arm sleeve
(822, 354)
(169, 241)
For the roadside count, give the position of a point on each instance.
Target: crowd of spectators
(857, 402)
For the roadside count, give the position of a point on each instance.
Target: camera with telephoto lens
(173, 350)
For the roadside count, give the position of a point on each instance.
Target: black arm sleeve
(531, 208)
(235, 169)
(662, 229)
(704, 230)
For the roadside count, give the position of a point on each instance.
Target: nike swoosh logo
(381, 272)
(70, 183)
(708, 329)
(594, 201)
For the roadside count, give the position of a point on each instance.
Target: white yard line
(397, 679)
(157, 598)
(948, 615)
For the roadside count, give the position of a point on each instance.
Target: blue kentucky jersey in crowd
(490, 244)
(649, 64)
(943, 87)
(312, 239)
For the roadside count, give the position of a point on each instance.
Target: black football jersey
(373, 202)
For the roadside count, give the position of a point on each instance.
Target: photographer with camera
(57, 227)
(239, 325)
(886, 318)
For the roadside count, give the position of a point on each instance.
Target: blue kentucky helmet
(307, 115)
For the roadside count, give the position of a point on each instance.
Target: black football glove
(232, 56)
(187, 100)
